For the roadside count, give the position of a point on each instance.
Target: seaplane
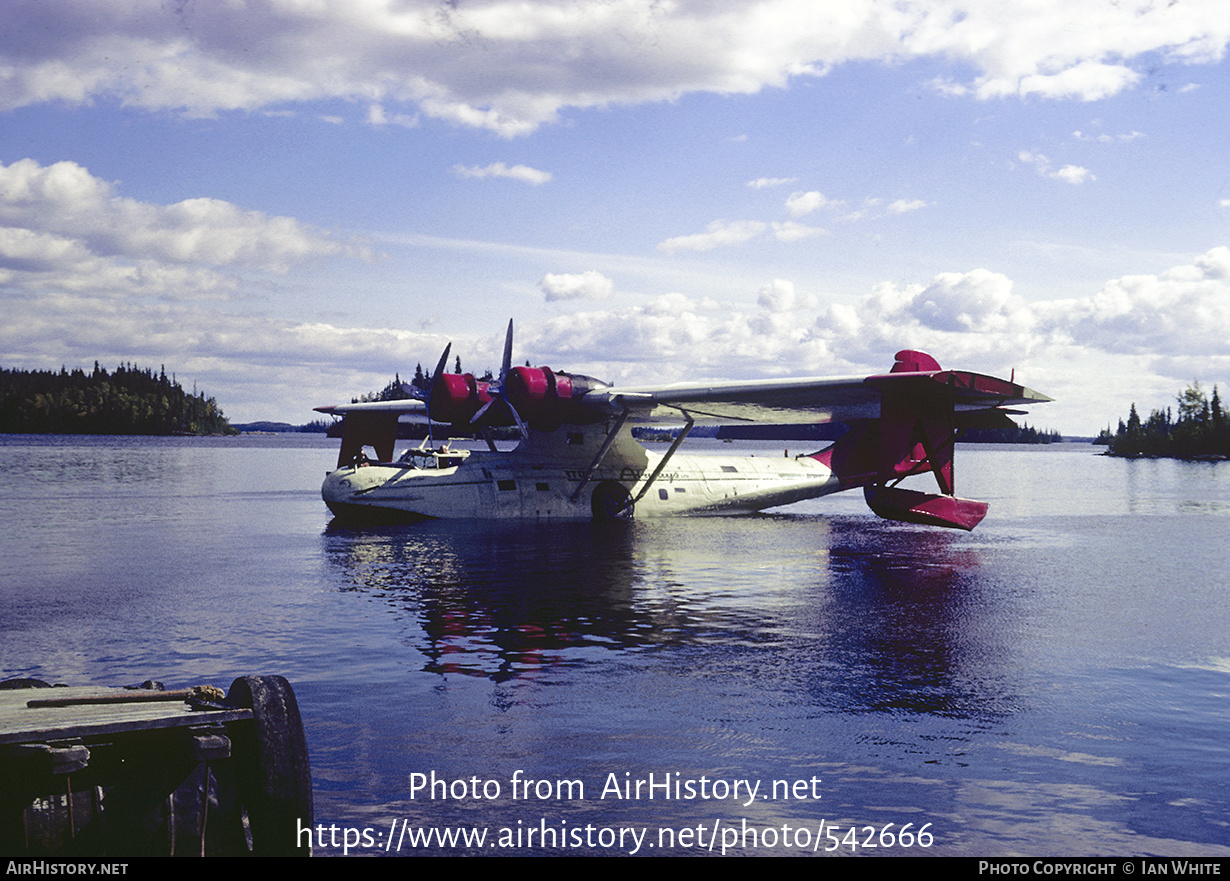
(578, 460)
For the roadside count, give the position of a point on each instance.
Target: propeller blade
(505, 367)
(440, 367)
(507, 363)
(435, 377)
(503, 399)
(481, 410)
(525, 432)
(496, 389)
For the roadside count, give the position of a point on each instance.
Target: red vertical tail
(914, 434)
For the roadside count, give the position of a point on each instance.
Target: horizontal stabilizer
(984, 420)
(928, 509)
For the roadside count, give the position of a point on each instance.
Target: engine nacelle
(546, 399)
(456, 397)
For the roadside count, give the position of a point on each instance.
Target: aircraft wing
(409, 405)
(916, 382)
(820, 399)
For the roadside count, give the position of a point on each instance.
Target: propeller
(425, 397)
(498, 389)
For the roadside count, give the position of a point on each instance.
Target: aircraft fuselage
(541, 477)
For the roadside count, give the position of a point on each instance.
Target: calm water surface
(1057, 682)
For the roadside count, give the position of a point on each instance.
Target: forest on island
(1202, 429)
(128, 400)
(1018, 434)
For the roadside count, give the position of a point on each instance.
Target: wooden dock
(93, 771)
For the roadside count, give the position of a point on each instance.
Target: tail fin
(375, 429)
(915, 433)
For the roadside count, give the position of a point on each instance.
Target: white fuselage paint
(538, 479)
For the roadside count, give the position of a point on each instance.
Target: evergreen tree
(1202, 429)
(128, 401)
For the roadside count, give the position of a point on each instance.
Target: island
(128, 400)
(1201, 431)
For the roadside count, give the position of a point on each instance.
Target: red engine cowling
(456, 397)
(546, 399)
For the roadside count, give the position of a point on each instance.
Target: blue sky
(286, 202)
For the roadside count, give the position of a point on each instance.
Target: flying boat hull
(540, 479)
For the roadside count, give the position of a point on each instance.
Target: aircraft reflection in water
(578, 461)
(821, 605)
(507, 600)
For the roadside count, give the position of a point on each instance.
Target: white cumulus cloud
(59, 219)
(761, 183)
(1096, 353)
(499, 169)
(717, 234)
(588, 285)
(1072, 174)
(800, 204)
(510, 66)
(790, 231)
(376, 115)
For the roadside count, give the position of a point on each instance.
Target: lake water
(1055, 683)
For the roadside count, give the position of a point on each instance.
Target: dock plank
(20, 723)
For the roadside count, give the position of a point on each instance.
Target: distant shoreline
(1195, 457)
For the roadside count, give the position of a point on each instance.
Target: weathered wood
(104, 771)
(126, 696)
(20, 723)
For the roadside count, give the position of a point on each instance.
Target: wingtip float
(577, 458)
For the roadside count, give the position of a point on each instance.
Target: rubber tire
(275, 777)
(611, 501)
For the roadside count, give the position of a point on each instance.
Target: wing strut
(679, 439)
(601, 454)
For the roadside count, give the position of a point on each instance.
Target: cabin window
(506, 484)
(681, 489)
(730, 468)
(541, 487)
(575, 439)
(663, 495)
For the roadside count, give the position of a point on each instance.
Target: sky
(288, 202)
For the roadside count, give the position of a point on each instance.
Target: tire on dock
(275, 778)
